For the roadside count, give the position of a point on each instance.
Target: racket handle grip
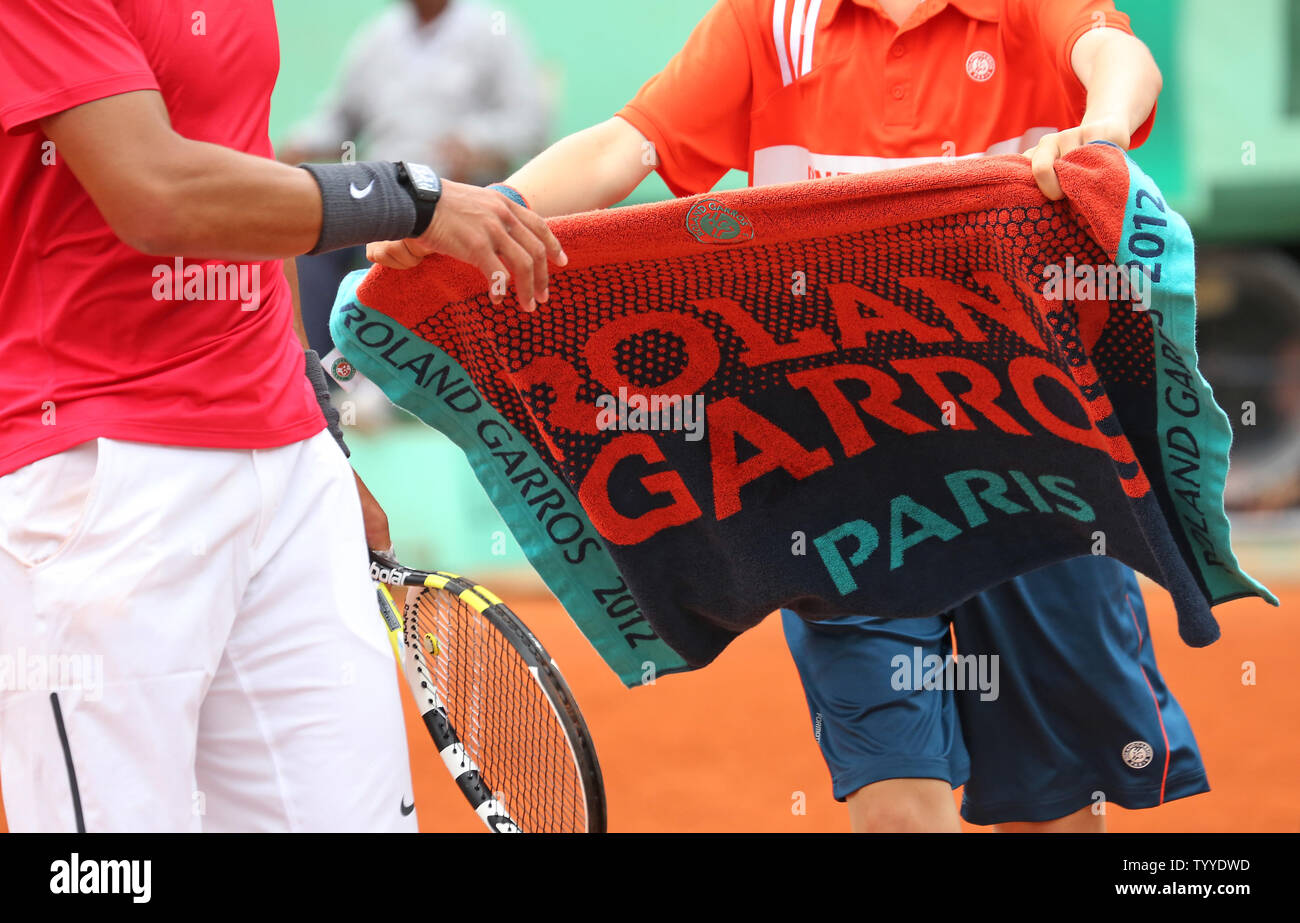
(320, 385)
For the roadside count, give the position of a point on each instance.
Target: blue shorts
(1054, 704)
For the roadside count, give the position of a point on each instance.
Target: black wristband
(425, 188)
(320, 384)
(361, 202)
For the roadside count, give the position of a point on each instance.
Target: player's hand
(505, 241)
(374, 518)
(377, 537)
(1051, 148)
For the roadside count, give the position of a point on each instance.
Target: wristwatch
(425, 188)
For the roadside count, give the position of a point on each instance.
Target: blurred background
(695, 752)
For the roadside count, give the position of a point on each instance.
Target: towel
(876, 394)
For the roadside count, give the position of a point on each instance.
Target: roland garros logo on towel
(711, 222)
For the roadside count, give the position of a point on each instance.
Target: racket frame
(411, 656)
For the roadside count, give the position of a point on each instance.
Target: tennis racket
(494, 702)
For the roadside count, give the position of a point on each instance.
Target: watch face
(424, 180)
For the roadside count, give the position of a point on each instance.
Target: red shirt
(98, 339)
(792, 90)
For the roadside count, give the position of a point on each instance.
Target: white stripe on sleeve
(796, 33)
(778, 33)
(810, 30)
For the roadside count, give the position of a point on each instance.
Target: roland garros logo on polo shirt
(711, 222)
(980, 66)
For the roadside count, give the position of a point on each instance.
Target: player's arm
(1122, 78)
(689, 134)
(166, 194)
(690, 122)
(291, 277)
(1123, 83)
(593, 168)
(597, 167)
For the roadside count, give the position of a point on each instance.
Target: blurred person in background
(449, 83)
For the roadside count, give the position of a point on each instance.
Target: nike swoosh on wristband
(360, 193)
(407, 808)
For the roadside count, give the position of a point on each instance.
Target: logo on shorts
(709, 221)
(1138, 754)
(980, 66)
(343, 370)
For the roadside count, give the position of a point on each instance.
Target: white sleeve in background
(511, 115)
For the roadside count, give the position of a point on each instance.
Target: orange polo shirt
(792, 90)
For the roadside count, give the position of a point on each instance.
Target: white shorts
(189, 641)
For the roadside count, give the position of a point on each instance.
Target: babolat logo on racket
(711, 222)
(393, 576)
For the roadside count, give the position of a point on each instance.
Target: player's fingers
(536, 251)
(1068, 141)
(390, 253)
(486, 261)
(414, 250)
(1044, 168)
(408, 253)
(520, 264)
(542, 231)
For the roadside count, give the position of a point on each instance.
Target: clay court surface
(729, 748)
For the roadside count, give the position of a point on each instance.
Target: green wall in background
(1237, 71)
(1162, 156)
(595, 54)
(313, 36)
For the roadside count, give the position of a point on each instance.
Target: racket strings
(503, 716)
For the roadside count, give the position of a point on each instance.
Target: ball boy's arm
(1122, 81)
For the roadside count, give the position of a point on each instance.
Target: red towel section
(873, 394)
